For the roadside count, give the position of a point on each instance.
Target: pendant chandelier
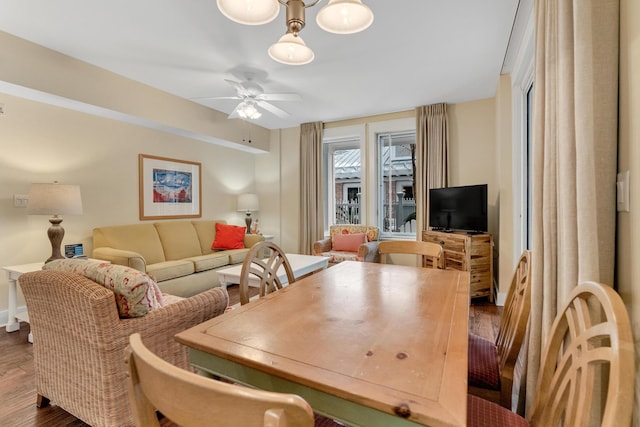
(338, 16)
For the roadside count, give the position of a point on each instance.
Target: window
(396, 184)
(355, 160)
(342, 162)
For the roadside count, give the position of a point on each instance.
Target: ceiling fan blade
(273, 109)
(234, 114)
(215, 97)
(242, 91)
(279, 97)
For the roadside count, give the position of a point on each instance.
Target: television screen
(459, 208)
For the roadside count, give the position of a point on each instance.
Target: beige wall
(472, 132)
(285, 162)
(504, 241)
(628, 235)
(43, 143)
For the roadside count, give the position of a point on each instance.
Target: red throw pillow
(348, 242)
(229, 237)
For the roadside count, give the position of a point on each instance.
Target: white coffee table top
(300, 264)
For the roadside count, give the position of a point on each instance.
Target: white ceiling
(416, 52)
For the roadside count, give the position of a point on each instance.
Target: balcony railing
(399, 217)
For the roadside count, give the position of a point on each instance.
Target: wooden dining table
(371, 345)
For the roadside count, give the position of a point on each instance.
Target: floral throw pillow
(136, 293)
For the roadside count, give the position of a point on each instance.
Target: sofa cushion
(336, 257)
(208, 262)
(236, 256)
(140, 238)
(162, 271)
(135, 292)
(348, 242)
(206, 230)
(179, 239)
(229, 237)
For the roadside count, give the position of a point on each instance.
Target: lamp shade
(344, 17)
(291, 50)
(249, 12)
(248, 202)
(54, 199)
(248, 110)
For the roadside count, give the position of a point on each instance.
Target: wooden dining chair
(429, 251)
(265, 269)
(492, 364)
(589, 343)
(189, 399)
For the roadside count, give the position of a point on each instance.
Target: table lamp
(54, 199)
(248, 203)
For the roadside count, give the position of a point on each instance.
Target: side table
(13, 274)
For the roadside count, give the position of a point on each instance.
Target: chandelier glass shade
(338, 16)
(249, 12)
(344, 17)
(291, 50)
(248, 110)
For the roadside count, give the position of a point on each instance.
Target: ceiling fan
(252, 96)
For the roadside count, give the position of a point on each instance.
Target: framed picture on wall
(169, 188)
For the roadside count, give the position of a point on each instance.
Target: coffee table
(302, 265)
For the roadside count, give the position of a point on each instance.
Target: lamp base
(248, 221)
(55, 233)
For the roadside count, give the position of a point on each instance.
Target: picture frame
(169, 188)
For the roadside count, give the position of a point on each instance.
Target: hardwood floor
(17, 388)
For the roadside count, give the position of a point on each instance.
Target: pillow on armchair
(136, 293)
(348, 243)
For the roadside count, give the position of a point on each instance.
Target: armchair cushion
(135, 292)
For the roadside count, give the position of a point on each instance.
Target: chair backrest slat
(265, 269)
(430, 250)
(200, 400)
(513, 325)
(589, 341)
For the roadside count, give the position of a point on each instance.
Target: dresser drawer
(465, 252)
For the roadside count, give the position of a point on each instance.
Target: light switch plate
(20, 200)
(622, 191)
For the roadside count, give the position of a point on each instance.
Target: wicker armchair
(79, 342)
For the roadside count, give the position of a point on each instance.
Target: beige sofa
(177, 254)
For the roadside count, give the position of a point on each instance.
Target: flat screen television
(459, 208)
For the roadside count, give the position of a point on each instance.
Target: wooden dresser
(468, 252)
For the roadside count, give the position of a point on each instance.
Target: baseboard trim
(4, 315)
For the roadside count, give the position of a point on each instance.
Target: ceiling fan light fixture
(248, 110)
(249, 12)
(291, 50)
(344, 17)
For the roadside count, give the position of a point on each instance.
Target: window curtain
(311, 208)
(432, 158)
(574, 158)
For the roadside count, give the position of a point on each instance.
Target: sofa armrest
(320, 246)
(252, 239)
(368, 252)
(121, 257)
